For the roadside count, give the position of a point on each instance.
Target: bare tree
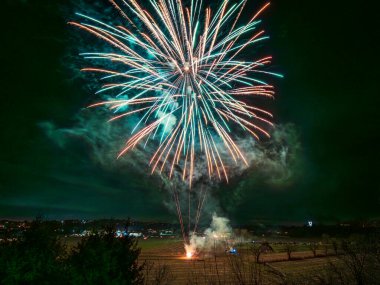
(158, 274)
(289, 248)
(357, 264)
(325, 242)
(258, 248)
(313, 246)
(334, 243)
(256, 251)
(355, 256)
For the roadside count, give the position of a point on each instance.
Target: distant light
(310, 223)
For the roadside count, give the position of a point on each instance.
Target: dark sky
(327, 53)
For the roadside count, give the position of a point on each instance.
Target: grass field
(167, 255)
(165, 260)
(166, 263)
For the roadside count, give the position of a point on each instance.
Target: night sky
(329, 97)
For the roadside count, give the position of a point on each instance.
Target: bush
(104, 259)
(36, 258)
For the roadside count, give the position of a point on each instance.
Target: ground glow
(189, 254)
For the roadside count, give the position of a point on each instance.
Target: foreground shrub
(35, 258)
(38, 257)
(104, 259)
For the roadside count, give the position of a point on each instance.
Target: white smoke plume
(274, 160)
(214, 236)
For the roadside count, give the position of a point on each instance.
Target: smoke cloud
(273, 162)
(214, 236)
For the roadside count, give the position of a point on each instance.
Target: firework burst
(180, 70)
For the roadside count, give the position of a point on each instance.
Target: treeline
(39, 257)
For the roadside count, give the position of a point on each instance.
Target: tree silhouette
(35, 258)
(289, 248)
(335, 245)
(104, 259)
(313, 247)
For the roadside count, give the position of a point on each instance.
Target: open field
(168, 255)
(166, 263)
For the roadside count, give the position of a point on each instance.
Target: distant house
(135, 234)
(167, 233)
